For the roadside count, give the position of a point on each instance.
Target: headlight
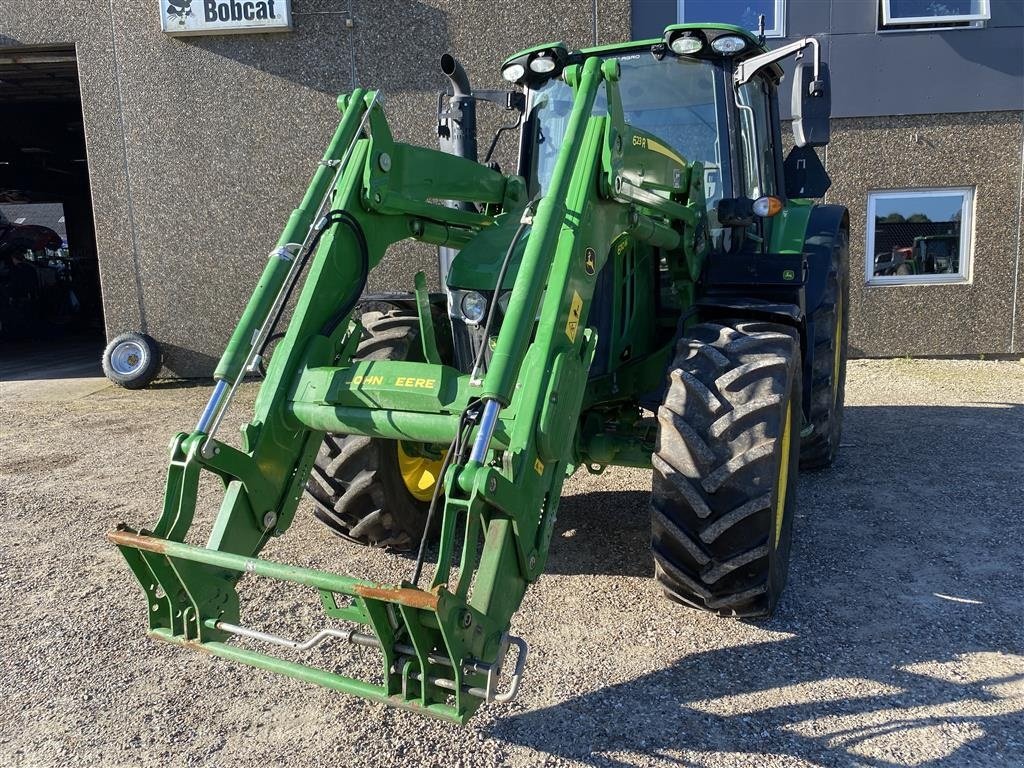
(503, 301)
(542, 63)
(513, 72)
(729, 44)
(473, 306)
(686, 44)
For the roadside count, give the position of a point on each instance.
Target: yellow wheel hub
(783, 481)
(419, 473)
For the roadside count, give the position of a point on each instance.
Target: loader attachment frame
(513, 432)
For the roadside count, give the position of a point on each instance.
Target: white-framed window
(895, 15)
(919, 236)
(742, 13)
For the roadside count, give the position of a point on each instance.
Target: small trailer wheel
(132, 360)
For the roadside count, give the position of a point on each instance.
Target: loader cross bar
(461, 677)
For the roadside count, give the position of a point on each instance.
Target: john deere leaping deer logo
(178, 11)
(590, 261)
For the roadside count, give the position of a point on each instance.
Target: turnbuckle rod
(353, 636)
(297, 645)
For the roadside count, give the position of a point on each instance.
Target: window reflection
(918, 234)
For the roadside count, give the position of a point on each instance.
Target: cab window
(757, 148)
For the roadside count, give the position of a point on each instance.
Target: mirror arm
(747, 68)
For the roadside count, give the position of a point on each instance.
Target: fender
(823, 225)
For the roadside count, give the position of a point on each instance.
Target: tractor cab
(701, 99)
(709, 94)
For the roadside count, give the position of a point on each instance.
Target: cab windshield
(680, 100)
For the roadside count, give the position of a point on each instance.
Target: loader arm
(442, 647)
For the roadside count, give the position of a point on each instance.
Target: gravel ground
(900, 640)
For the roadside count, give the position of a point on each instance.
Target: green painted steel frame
(506, 508)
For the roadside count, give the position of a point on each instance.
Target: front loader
(653, 287)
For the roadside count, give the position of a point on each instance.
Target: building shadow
(899, 641)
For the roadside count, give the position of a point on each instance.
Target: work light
(542, 63)
(729, 44)
(513, 72)
(685, 45)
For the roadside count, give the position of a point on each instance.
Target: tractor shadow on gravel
(604, 532)
(899, 641)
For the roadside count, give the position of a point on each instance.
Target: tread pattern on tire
(353, 493)
(715, 465)
(818, 449)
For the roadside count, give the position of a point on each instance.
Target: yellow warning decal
(573, 323)
(538, 465)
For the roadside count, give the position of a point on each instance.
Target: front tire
(373, 491)
(725, 468)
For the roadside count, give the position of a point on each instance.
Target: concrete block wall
(980, 150)
(200, 147)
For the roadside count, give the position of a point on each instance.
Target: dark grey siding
(897, 73)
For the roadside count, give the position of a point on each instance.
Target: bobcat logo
(178, 11)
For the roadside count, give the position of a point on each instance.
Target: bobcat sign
(221, 17)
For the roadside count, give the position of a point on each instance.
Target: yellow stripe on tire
(783, 480)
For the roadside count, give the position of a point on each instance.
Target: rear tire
(356, 484)
(725, 468)
(828, 374)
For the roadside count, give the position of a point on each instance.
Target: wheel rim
(783, 481)
(837, 343)
(127, 358)
(419, 473)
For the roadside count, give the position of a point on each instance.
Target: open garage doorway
(51, 312)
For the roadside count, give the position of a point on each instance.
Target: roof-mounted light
(533, 67)
(543, 63)
(513, 72)
(686, 44)
(728, 44)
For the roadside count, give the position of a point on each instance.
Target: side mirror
(811, 105)
(735, 211)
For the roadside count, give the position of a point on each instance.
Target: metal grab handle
(517, 672)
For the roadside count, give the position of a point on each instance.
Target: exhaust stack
(456, 133)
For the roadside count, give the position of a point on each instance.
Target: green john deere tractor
(652, 287)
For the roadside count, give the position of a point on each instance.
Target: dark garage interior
(51, 313)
